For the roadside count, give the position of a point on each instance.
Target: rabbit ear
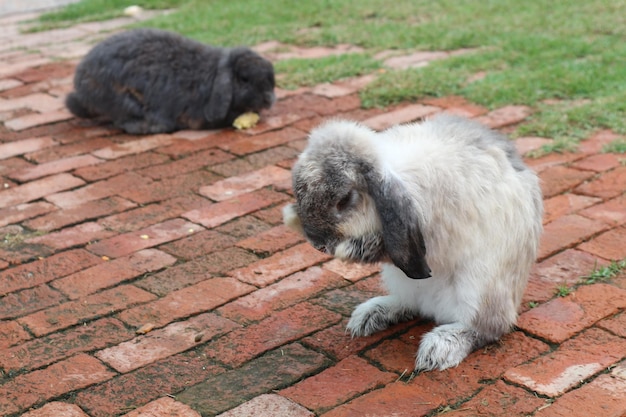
(402, 235)
(222, 93)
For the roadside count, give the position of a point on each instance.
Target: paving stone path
(151, 275)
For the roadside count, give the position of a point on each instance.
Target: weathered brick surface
(574, 361)
(282, 327)
(337, 384)
(563, 317)
(275, 369)
(269, 270)
(73, 312)
(153, 275)
(294, 288)
(159, 344)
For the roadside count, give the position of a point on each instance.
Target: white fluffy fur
(480, 219)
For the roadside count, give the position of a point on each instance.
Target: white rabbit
(447, 206)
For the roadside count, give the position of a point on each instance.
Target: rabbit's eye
(345, 201)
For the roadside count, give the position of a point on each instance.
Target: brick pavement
(152, 276)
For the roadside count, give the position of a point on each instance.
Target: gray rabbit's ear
(221, 94)
(402, 235)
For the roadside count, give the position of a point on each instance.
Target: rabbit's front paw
(376, 314)
(445, 347)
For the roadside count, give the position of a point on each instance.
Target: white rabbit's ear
(216, 109)
(402, 235)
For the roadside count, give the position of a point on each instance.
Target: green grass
(605, 273)
(617, 146)
(565, 59)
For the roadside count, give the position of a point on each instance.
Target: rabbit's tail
(76, 106)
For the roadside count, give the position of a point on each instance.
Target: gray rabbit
(154, 81)
(447, 206)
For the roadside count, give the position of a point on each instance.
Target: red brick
(111, 273)
(272, 240)
(11, 333)
(338, 384)
(97, 190)
(525, 145)
(24, 302)
(8, 84)
(136, 388)
(64, 151)
(498, 400)
(344, 300)
(564, 269)
(603, 396)
(204, 296)
(236, 186)
(13, 164)
(456, 103)
(284, 293)
(274, 370)
(208, 158)
(566, 232)
(213, 138)
(258, 143)
(37, 119)
(401, 115)
(558, 179)
(564, 204)
(273, 156)
(73, 236)
(48, 71)
(200, 269)
(338, 343)
(74, 373)
(615, 324)
(416, 400)
(505, 116)
(45, 350)
(552, 159)
(268, 405)
(24, 146)
(398, 354)
(146, 238)
(280, 328)
(118, 166)
(213, 215)
(88, 211)
(36, 189)
(199, 244)
(351, 271)
(269, 270)
(73, 312)
(563, 317)
(598, 163)
(164, 406)
(138, 145)
(610, 245)
(45, 270)
(573, 362)
(182, 185)
(56, 409)
(612, 212)
(55, 167)
(150, 214)
(272, 215)
(161, 343)
(597, 141)
(608, 185)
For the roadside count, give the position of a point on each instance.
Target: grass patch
(569, 52)
(307, 72)
(617, 146)
(604, 273)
